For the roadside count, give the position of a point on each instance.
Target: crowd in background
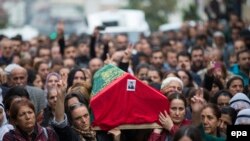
(202, 69)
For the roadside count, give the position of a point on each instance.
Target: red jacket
(164, 134)
(38, 135)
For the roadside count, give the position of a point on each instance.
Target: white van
(131, 22)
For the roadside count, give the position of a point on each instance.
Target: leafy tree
(156, 11)
(190, 13)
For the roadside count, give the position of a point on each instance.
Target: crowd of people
(202, 69)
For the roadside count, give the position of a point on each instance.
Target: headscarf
(243, 117)
(239, 101)
(47, 79)
(4, 126)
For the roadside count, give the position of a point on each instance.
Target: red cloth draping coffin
(119, 104)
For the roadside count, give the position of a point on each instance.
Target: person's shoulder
(9, 136)
(32, 89)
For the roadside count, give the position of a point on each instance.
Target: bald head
(95, 64)
(18, 77)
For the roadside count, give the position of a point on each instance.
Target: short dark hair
(240, 52)
(184, 54)
(231, 112)
(12, 93)
(221, 93)
(197, 48)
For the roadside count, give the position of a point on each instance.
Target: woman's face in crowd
(38, 82)
(52, 81)
(209, 121)
(25, 119)
(214, 89)
(79, 77)
(80, 118)
(223, 101)
(177, 111)
(52, 98)
(224, 121)
(43, 70)
(236, 87)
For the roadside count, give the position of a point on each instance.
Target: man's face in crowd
(43, 70)
(69, 63)
(157, 59)
(70, 52)
(244, 60)
(6, 48)
(239, 45)
(184, 63)
(45, 54)
(197, 58)
(55, 53)
(18, 77)
(95, 64)
(172, 59)
(122, 41)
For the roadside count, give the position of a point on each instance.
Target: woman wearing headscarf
(4, 126)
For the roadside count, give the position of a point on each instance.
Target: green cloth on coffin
(105, 76)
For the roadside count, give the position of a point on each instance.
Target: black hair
(190, 77)
(184, 54)
(71, 95)
(197, 48)
(140, 66)
(71, 76)
(177, 95)
(231, 112)
(220, 93)
(16, 91)
(229, 82)
(190, 131)
(240, 52)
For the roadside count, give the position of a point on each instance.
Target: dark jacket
(65, 132)
(39, 134)
(47, 117)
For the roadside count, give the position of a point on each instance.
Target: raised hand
(197, 101)
(109, 60)
(59, 112)
(166, 121)
(128, 53)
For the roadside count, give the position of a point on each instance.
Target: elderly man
(170, 85)
(18, 77)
